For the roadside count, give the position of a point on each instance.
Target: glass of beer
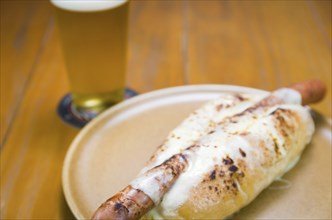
(94, 43)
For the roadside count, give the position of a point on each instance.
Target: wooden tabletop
(261, 44)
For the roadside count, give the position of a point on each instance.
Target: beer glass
(94, 43)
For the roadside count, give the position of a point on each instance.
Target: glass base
(78, 118)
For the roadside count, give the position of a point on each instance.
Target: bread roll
(232, 156)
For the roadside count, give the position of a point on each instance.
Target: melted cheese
(219, 138)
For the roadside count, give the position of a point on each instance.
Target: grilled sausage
(221, 157)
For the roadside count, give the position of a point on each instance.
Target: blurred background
(261, 44)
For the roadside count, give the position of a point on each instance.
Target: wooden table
(262, 44)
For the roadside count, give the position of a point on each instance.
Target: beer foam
(87, 5)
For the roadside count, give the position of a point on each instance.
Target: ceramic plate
(108, 153)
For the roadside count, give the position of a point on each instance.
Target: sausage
(129, 203)
(133, 202)
(311, 91)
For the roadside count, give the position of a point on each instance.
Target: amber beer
(94, 40)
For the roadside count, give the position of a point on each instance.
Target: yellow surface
(262, 44)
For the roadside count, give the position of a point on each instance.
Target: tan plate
(108, 153)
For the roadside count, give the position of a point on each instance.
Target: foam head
(87, 6)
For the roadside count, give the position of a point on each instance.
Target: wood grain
(32, 157)
(155, 41)
(262, 44)
(23, 32)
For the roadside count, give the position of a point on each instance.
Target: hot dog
(236, 174)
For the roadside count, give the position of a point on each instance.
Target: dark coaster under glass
(79, 119)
